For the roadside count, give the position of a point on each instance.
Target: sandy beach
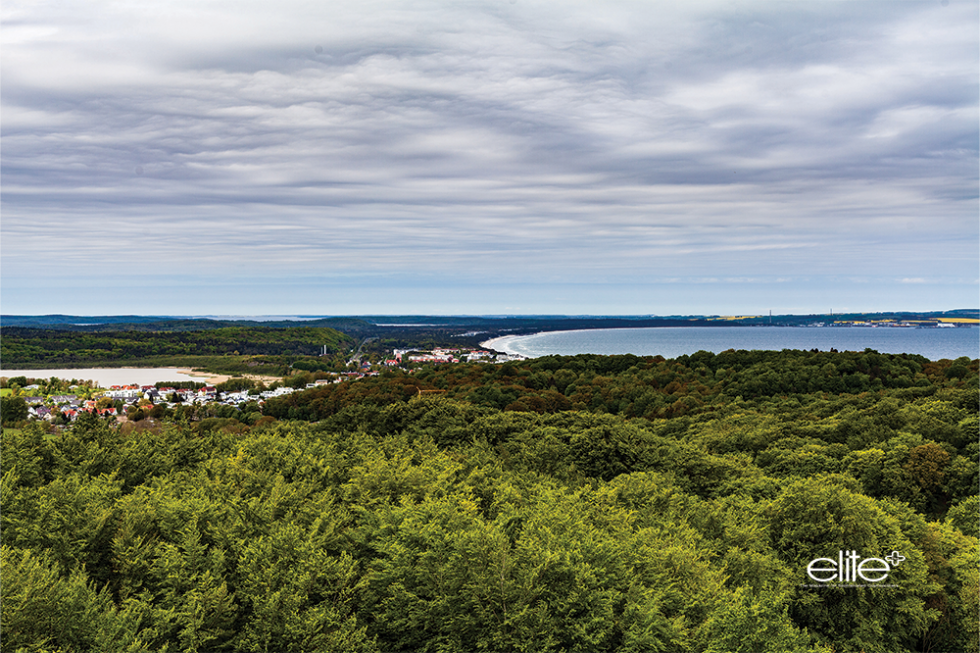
(499, 343)
(503, 343)
(215, 379)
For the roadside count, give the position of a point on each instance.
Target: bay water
(671, 342)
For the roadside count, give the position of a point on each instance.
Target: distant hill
(163, 323)
(33, 348)
(372, 324)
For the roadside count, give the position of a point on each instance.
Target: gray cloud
(556, 141)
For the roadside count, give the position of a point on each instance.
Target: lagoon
(109, 376)
(671, 342)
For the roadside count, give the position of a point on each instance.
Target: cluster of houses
(905, 324)
(70, 406)
(445, 355)
(176, 396)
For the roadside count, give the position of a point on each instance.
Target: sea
(671, 342)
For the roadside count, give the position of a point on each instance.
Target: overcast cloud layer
(489, 157)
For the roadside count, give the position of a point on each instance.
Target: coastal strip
(215, 379)
(500, 343)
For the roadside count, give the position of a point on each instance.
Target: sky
(488, 157)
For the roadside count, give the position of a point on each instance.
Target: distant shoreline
(493, 342)
(490, 344)
(674, 341)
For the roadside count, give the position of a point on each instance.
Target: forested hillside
(569, 503)
(38, 348)
(649, 386)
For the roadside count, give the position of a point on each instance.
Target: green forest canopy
(566, 503)
(38, 348)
